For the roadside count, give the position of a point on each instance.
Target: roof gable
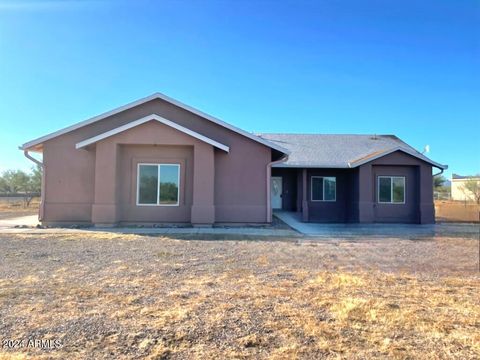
(380, 154)
(152, 117)
(40, 140)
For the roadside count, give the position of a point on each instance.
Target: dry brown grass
(275, 306)
(456, 211)
(10, 209)
(357, 315)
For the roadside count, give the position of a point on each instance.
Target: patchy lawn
(126, 296)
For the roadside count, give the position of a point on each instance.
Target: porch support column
(203, 208)
(298, 184)
(425, 187)
(366, 196)
(104, 209)
(304, 196)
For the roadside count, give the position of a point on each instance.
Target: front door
(276, 192)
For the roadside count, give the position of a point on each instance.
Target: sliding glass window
(323, 188)
(391, 189)
(158, 184)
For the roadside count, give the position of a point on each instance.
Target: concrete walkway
(31, 221)
(293, 220)
(26, 225)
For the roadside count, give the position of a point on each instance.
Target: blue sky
(409, 68)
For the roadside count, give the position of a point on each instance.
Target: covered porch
(327, 195)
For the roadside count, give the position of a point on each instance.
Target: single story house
(157, 160)
(459, 191)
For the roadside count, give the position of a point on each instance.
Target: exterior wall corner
(203, 208)
(104, 208)
(365, 195)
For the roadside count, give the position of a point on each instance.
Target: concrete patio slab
(293, 220)
(26, 225)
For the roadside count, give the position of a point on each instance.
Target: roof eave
(311, 166)
(357, 163)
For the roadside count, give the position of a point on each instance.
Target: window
(158, 184)
(323, 188)
(391, 189)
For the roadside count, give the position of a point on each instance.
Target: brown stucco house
(157, 160)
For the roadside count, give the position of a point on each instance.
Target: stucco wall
(391, 213)
(130, 157)
(69, 181)
(331, 211)
(241, 182)
(240, 176)
(154, 143)
(421, 179)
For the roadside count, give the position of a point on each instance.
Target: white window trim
(323, 188)
(391, 189)
(158, 185)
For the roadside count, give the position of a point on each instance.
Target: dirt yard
(10, 209)
(125, 296)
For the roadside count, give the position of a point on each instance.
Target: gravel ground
(126, 296)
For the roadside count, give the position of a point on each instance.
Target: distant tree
(3, 185)
(441, 188)
(15, 181)
(36, 179)
(471, 189)
(18, 181)
(439, 181)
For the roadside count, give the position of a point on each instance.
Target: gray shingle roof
(338, 151)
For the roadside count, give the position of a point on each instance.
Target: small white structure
(458, 187)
